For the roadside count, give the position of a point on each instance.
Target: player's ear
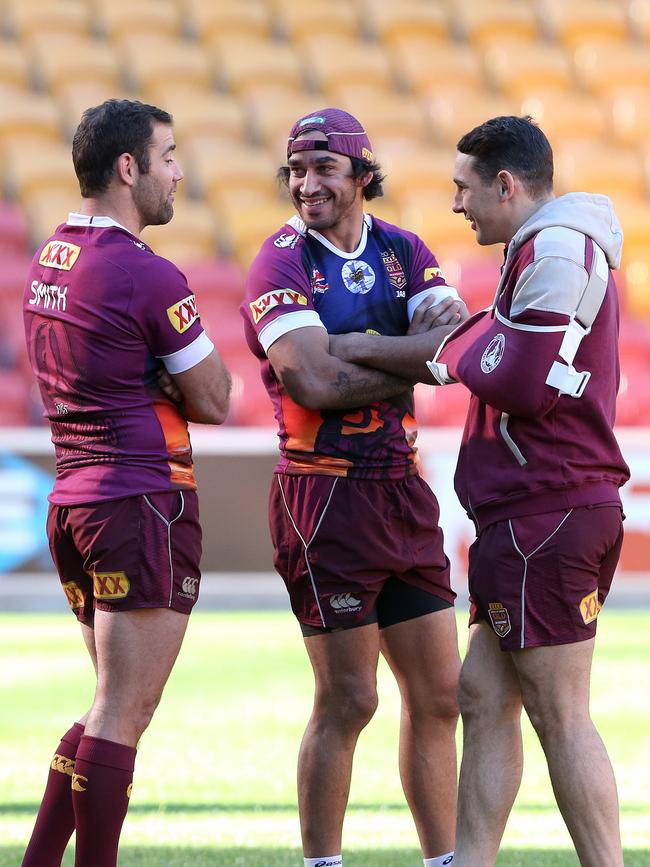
(125, 169)
(505, 184)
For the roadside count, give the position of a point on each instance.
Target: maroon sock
(55, 820)
(101, 787)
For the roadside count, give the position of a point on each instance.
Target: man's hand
(450, 311)
(169, 387)
(342, 345)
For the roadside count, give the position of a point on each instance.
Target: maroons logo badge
(493, 354)
(499, 618)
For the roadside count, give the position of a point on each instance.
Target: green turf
(215, 777)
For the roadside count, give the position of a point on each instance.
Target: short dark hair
(514, 144)
(372, 190)
(106, 131)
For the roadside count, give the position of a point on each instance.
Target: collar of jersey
(367, 222)
(75, 219)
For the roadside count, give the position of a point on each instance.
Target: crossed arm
(316, 379)
(404, 356)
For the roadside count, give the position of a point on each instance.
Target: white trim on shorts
(307, 544)
(525, 572)
(168, 524)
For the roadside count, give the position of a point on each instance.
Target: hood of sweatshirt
(589, 213)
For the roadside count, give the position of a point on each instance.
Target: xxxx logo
(110, 585)
(261, 306)
(63, 765)
(77, 780)
(56, 254)
(590, 607)
(74, 594)
(183, 314)
(129, 789)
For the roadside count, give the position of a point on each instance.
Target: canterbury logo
(129, 789)
(76, 782)
(190, 585)
(344, 602)
(63, 765)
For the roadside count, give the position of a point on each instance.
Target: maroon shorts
(542, 579)
(139, 552)
(338, 540)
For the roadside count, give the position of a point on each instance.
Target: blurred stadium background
(235, 74)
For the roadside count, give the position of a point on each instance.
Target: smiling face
(153, 192)
(322, 188)
(482, 203)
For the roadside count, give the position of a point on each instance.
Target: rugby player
(354, 526)
(104, 318)
(539, 474)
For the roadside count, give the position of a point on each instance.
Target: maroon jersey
(102, 312)
(543, 370)
(300, 279)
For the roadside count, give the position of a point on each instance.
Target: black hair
(360, 169)
(106, 131)
(514, 144)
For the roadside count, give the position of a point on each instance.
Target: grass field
(215, 776)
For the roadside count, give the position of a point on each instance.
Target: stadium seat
(14, 399)
(417, 171)
(190, 236)
(517, 68)
(74, 97)
(227, 19)
(247, 225)
(332, 61)
(429, 215)
(454, 111)
(59, 60)
(566, 115)
(30, 116)
(585, 20)
(476, 277)
(13, 231)
(117, 18)
(484, 24)
(240, 63)
(386, 114)
(384, 208)
(605, 69)
(441, 406)
(249, 401)
(32, 169)
(639, 19)
(151, 58)
(636, 277)
(216, 278)
(426, 68)
(48, 208)
(633, 401)
(26, 18)
(200, 115)
(630, 116)
(272, 111)
(233, 174)
(14, 67)
(599, 168)
(15, 266)
(392, 24)
(325, 17)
